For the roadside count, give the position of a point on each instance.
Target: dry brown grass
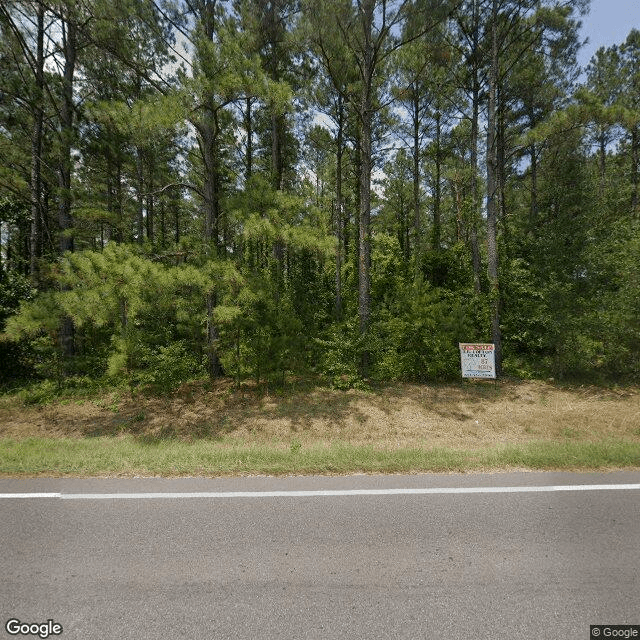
(470, 415)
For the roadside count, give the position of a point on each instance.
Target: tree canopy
(349, 189)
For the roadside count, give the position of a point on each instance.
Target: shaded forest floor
(467, 415)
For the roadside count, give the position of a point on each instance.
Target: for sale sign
(478, 360)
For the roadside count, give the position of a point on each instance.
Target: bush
(417, 339)
(340, 351)
(166, 367)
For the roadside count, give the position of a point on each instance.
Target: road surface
(491, 556)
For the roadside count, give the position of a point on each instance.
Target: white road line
(29, 495)
(324, 493)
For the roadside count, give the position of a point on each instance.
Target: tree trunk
(110, 198)
(366, 122)
(533, 211)
(278, 125)
(208, 132)
(120, 237)
(338, 210)
(603, 159)
(457, 196)
(150, 201)
(402, 231)
(215, 368)
(502, 217)
(273, 36)
(436, 190)
(277, 168)
(36, 152)
(277, 164)
(66, 114)
(211, 186)
(248, 125)
(209, 144)
(635, 159)
(475, 189)
(140, 196)
(163, 227)
(364, 242)
(150, 213)
(492, 192)
(65, 221)
(501, 155)
(355, 240)
(416, 175)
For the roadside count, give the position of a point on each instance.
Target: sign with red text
(477, 360)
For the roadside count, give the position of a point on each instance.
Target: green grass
(128, 456)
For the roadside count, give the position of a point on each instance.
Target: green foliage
(137, 317)
(340, 350)
(14, 288)
(238, 235)
(571, 305)
(262, 336)
(165, 367)
(16, 356)
(50, 390)
(145, 322)
(413, 337)
(417, 326)
(417, 337)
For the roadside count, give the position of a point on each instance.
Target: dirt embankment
(466, 415)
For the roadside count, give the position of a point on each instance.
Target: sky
(608, 22)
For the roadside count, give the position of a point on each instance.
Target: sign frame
(477, 360)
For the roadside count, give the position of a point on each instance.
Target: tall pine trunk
(211, 156)
(602, 153)
(493, 191)
(366, 125)
(475, 114)
(338, 210)
(533, 210)
(635, 170)
(416, 175)
(65, 221)
(208, 130)
(436, 189)
(150, 205)
(248, 125)
(36, 152)
(140, 196)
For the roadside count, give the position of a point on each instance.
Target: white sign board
(478, 360)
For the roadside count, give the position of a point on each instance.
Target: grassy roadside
(204, 431)
(130, 457)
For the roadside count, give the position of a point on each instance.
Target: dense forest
(274, 188)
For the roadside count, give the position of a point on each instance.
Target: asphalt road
(521, 565)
